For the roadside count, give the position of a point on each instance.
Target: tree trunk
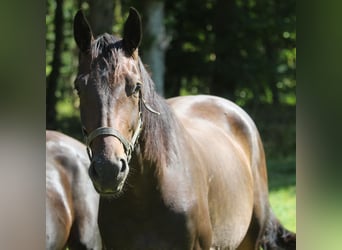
(155, 41)
(52, 79)
(223, 84)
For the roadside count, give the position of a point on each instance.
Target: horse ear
(82, 32)
(132, 32)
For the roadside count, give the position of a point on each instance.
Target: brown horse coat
(228, 150)
(71, 201)
(196, 177)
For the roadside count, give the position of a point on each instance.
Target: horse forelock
(103, 44)
(107, 54)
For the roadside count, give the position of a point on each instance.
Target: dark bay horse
(183, 173)
(71, 201)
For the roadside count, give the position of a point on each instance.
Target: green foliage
(50, 36)
(282, 185)
(253, 57)
(64, 92)
(277, 126)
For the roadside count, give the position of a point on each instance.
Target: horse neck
(159, 134)
(156, 151)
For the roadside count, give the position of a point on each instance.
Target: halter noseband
(128, 145)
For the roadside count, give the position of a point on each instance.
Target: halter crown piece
(128, 145)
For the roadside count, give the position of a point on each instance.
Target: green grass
(282, 186)
(283, 202)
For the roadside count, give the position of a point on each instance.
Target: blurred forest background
(243, 50)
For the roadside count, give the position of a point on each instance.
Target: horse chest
(144, 229)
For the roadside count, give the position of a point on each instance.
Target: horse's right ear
(82, 32)
(132, 34)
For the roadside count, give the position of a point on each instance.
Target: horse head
(109, 85)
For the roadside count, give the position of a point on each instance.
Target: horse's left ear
(82, 32)
(132, 32)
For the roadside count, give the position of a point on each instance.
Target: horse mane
(157, 136)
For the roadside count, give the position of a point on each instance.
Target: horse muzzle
(108, 175)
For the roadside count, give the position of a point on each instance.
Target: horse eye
(79, 82)
(137, 87)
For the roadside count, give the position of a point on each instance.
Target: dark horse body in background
(196, 177)
(71, 201)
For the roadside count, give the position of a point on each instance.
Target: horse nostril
(123, 165)
(92, 171)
